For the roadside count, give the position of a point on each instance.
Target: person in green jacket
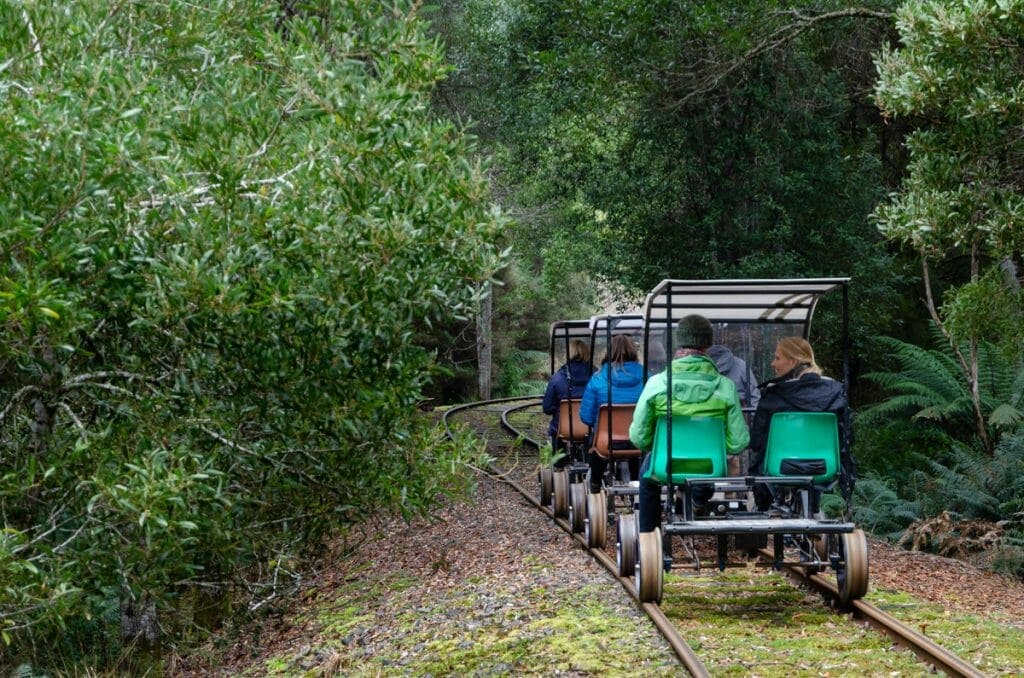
(697, 390)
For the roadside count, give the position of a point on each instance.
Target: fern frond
(1006, 416)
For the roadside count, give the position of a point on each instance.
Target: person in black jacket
(799, 386)
(568, 382)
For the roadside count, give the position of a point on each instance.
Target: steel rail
(667, 629)
(484, 403)
(513, 431)
(923, 647)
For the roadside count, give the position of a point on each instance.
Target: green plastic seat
(799, 442)
(698, 449)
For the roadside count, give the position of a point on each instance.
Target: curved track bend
(925, 649)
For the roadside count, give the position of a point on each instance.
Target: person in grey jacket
(736, 368)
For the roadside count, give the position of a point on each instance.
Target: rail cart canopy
(746, 301)
(562, 333)
(748, 316)
(620, 324)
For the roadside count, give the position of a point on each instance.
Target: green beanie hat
(694, 331)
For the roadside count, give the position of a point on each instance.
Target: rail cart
(555, 483)
(610, 438)
(750, 316)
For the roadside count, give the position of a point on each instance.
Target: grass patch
(478, 629)
(745, 621)
(994, 644)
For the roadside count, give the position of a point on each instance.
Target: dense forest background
(882, 140)
(243, 247)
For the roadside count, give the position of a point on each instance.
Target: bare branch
(780, 36)
(36, 48)
(60, 547)
(969, 367)
(199, 196)
(17, 398)
(94, 376)
(224, 441)
(78, 423)
(104, 386)
(285, 112)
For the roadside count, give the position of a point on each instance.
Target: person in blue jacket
(626, 377)
(568, 381)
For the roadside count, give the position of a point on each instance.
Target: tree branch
(780, 36)
(36, 48)
(16, 398)
(94, 376)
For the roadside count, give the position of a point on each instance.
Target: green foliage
(987, 308)
(958, 65)
(222, 231)
(522, 373)
(973, 487)
(959, 68)
(619, 171)
(965, 485)
(893, 448)
(881, 509)
(546, 455)
(929, 385)
(525, 306)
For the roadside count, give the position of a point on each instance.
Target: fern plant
(929, 385)
(880, 508)
(522, 373)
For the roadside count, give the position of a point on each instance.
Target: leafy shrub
(893, 449)
(929, 385)
(880, 509)
(974, 487)
(222, 228)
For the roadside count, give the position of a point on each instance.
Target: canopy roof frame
(749, 301)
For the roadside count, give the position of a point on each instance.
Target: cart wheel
(545, 486)
(597, 520)
(852, 572)
(819, 543)
(625, 545)
(560, 493)
(577, 506)
(650, 572)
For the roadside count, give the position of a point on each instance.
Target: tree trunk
(484, 342)
(968, 364)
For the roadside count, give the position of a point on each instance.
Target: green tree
(958, 70)
(223, 226)
(661, 139)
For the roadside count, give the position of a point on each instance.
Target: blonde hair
(798, 349)
(578, 350)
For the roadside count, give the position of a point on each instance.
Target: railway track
(483, 415)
